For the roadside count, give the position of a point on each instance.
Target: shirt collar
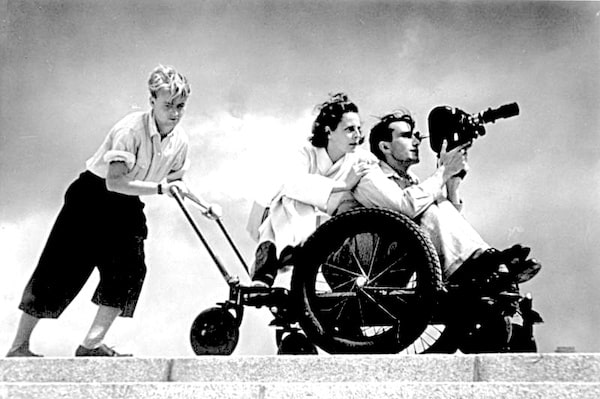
(389, 172)
(154, 130)
(324, 163)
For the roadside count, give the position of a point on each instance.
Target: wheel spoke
(343, 304)
(373, 256)
(360, 312)
(406, 300)
(380, 306)
(403, 290)
(388, 268)
(338, 286)
(347, 271)
(368, 284)
(356, 258)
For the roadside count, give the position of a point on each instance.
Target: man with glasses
(435, 202)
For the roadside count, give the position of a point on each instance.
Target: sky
(71, 69)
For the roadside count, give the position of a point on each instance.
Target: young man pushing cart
(102, 223)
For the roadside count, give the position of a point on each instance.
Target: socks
(104, 318)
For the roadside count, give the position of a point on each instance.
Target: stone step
(523, 368)
(283, 390)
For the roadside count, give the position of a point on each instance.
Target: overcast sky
(71, 69)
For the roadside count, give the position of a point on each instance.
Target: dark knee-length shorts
(95, 228)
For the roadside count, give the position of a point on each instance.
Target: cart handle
(215, 214)
(211, 211)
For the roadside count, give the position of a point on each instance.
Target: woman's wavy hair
(330, 115)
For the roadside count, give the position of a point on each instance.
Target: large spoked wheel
(366, 282)
(215, 331)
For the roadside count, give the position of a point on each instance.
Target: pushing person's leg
(20, 345)
(92, 344)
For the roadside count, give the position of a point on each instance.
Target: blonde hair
(166, 77)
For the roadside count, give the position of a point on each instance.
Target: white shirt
(306, 195)
(136, 141)
(384, 187)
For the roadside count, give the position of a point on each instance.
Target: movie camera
(458, 127)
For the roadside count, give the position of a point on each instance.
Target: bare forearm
(127, 186)
(118, 181)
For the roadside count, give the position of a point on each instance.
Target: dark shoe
(525, 270)
(266, 264)
(22, 351)
(515, 254)
(287, 256)
(516, 260)
(102, 350)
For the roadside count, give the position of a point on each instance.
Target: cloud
(243, 157)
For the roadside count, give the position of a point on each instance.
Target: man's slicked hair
(382, 132)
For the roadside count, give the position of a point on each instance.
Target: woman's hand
(356, 172)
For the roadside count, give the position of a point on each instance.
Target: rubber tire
(400, 233)
(215, 331)
(296, 343)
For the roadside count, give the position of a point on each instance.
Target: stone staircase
(281, 377)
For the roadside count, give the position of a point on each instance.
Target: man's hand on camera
(453, 161)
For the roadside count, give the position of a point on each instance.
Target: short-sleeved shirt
(136, 141)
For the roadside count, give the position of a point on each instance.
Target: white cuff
(123, 156)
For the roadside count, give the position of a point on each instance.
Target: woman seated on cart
(324, 172)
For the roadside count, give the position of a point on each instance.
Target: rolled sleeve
(123, 148)
(120, 156)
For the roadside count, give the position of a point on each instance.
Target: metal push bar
(177, 194)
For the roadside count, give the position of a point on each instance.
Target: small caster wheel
(214, 332)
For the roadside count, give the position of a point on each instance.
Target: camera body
(458, 127)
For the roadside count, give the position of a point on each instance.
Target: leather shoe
(22, 351)
(516, 253)
(102, 350)
(526, 270)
